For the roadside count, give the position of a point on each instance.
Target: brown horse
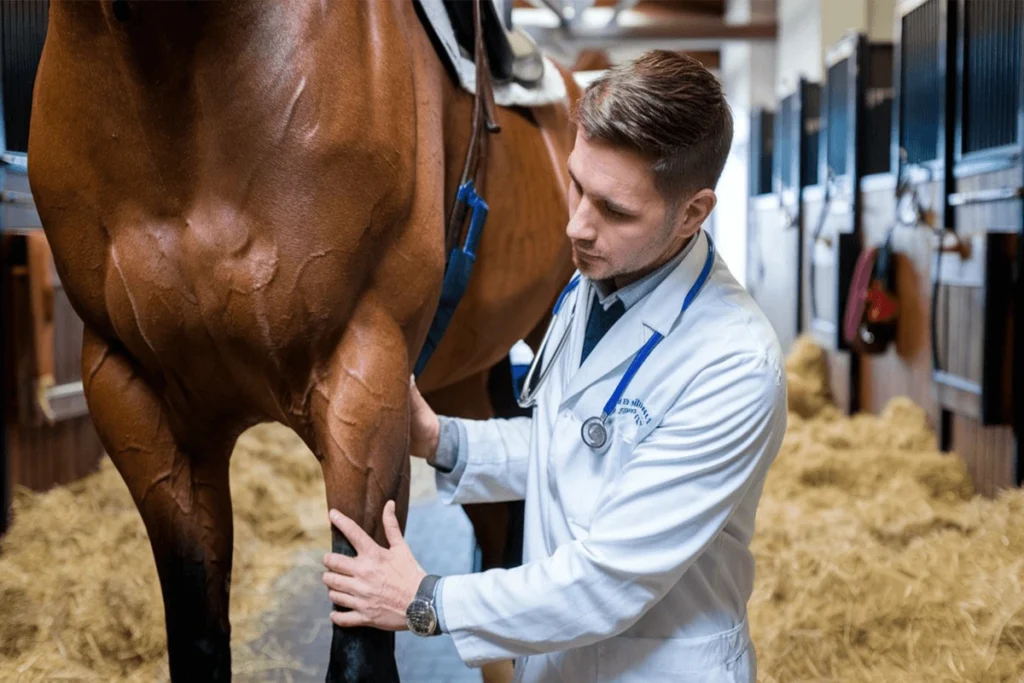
(246, 205)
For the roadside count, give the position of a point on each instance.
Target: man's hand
(425, 428)
(377, 584)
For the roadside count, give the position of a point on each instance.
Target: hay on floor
(78, 587)
(875, 560)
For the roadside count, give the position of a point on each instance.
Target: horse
(246, 206)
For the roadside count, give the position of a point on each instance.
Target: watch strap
(426, 589)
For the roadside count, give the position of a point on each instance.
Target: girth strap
(460, 260)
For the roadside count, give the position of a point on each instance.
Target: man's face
(617, 218)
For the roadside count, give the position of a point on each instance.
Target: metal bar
(956, 382)
(995, 194)
(14, 197)
(17, 162)
(67, 401)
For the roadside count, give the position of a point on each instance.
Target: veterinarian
(660, 403)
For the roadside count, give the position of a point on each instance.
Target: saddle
(512, 56)
(511, 53)
(461, 31)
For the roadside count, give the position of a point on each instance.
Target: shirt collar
(635, 291)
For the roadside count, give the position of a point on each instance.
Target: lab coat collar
(658, 312)
(665, 303)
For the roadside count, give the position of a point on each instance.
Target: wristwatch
(420, 615)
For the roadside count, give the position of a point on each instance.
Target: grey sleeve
(450, 457)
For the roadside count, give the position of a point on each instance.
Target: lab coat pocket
(575, 471)
(725, 658)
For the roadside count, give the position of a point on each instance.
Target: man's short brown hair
(670, 109)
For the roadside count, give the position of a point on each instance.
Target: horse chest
(173, 289)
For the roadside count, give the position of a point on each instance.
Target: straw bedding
(876, 562)
(79, 595)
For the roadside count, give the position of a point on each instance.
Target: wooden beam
(597, 60)
(711, 59)
(591, 60)
(690, 28)
(670, 8)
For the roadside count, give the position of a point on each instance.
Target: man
(655, 423)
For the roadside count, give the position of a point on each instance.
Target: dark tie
(598, 322)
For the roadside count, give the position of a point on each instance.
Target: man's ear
(695, 211)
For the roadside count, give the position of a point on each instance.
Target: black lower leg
(198, 629)
(360, 655)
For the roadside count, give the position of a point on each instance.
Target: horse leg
(183, 497)
(360, 433)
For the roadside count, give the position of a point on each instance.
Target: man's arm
(482, 461)
(665, 507)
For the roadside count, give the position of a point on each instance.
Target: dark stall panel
(920, 155)
(978, 287)
(857, 106)
(22, 32)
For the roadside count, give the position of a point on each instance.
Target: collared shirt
(635, 291)
(451, 447)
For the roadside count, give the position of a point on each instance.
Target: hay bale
(807, 378)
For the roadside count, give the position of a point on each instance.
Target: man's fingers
(348, 619)
(392, 530)
(340, 582)
(342, 599)
(359, 539)
(342, 564)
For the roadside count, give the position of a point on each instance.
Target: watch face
(420, 617)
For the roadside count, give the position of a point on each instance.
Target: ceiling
(593, 34)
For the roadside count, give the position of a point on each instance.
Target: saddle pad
(550, 90)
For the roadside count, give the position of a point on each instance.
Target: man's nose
(580, 227)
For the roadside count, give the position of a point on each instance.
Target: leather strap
(426, 588)
(483, 118)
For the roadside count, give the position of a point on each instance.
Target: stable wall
(747, 75)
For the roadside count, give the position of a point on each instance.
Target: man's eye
(615, 213)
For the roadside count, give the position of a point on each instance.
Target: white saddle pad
(551, 89)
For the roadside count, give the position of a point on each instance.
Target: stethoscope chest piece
(594, 433)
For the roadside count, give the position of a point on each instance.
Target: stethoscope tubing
(594, 433)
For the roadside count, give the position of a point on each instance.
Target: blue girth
(456, 274)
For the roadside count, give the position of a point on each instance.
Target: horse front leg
(360, 425)
(183, 497)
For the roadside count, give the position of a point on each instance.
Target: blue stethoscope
(594, 431)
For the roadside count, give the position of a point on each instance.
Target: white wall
(807, 28)
(747, 73)
(756, 74)
(799, 43)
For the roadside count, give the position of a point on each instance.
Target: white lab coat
(636, 561)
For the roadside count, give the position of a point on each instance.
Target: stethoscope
(595, 431)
